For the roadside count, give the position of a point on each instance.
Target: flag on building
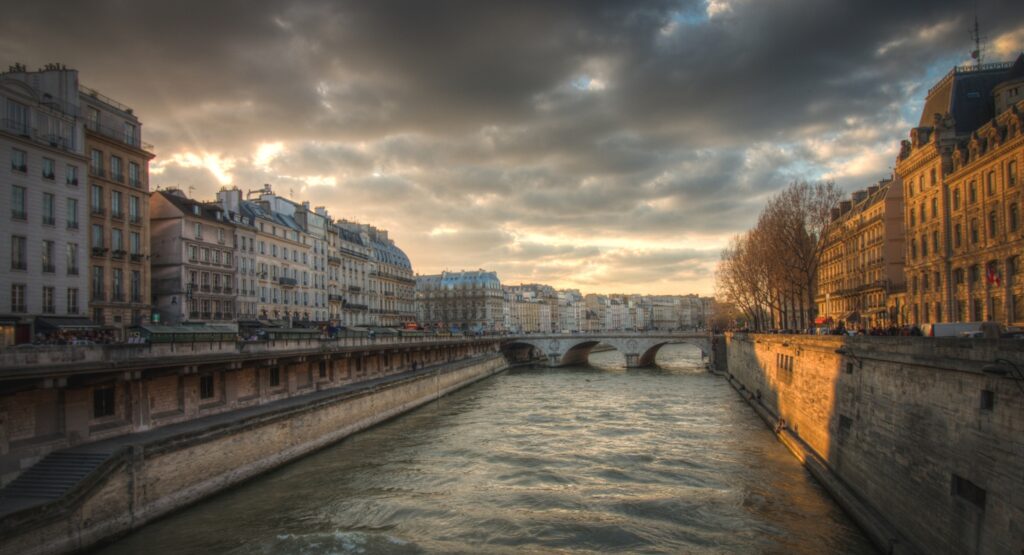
(991, 274)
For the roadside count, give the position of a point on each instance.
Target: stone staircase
(53, 476)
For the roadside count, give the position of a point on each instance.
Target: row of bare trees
(769, 272)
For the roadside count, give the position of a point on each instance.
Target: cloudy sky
(611, 147)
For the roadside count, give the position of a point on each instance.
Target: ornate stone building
(961, 176)
(467, 301)
(863, 259)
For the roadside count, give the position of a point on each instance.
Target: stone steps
(54, 475)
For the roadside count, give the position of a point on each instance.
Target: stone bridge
(639, 348)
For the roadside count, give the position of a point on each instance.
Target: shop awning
(822, 320)
(58, 323)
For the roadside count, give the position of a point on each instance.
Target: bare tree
(769, 272)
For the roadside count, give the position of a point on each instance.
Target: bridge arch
(639, 349)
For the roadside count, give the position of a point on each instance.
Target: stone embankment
(921, 440)
(135, 478)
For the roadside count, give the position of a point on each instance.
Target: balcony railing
(117, 215)
(205, 288)
(97, 171)
(118, 135)
(72, 225)
(19, 215)
(335, 298)
(48, 220)
(137, 257)
(287, 281)
(354, 289)
(99, 251)
(119, 253)
(22, 128)
(135, 219)
(334, 260)
(98, 210)
(49, 268)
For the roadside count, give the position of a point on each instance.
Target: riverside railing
(124, 354)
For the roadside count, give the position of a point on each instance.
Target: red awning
(822, 320)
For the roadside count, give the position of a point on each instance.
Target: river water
(567, 460)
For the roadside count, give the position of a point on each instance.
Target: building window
(116, 169)
(18, 298)
(974, 273)
(913, 249)
(1011, 173)
(133, 209)
(992, 224)
(18, 208)
(97, 236)
(71, 174)
(131, 134)
(974, 231)
(72, 207)
(935, 242)
(933, 177)
(97, 283)
(96, 199)
(275, 377)
(19, 160)
(956, 198)
(116, 210)
(47, 257)
(924, 246)
(206, 386)
(19, 254)
(921, 213)
(116, 240)
(117, 284)
(72, 259)
(17, 117)
(957, 235)
(48, 304)
(990, 184)
(972, 192)
(96, 162)
(968, 491)
(49, 168)
(958, 276)
(1014, 216)
(134, 242)
(935, 207)
(197, 230)
(103, 402)
(48, 204)
(134, 175)
(72, 300)
(136, 286)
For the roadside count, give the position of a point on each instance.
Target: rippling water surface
(567, 460)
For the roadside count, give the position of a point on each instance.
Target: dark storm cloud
(634, 121)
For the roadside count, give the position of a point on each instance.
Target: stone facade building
(961, 175)
(119, 264)
(193, 260)
(465, 301)
(862, 263)
(43, 238)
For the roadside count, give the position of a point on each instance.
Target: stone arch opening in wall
(578, 353)
(520, 351)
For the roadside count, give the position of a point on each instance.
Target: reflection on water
(576, 459)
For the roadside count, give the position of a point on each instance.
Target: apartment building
(466, 301)
(193, 260)
(118, 189)
(43, 238)
(862, 264)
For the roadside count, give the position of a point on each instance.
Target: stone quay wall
(146, 481)
(922, 447)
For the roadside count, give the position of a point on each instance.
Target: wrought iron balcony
(287, 281)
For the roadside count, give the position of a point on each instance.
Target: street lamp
(1003, 367)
